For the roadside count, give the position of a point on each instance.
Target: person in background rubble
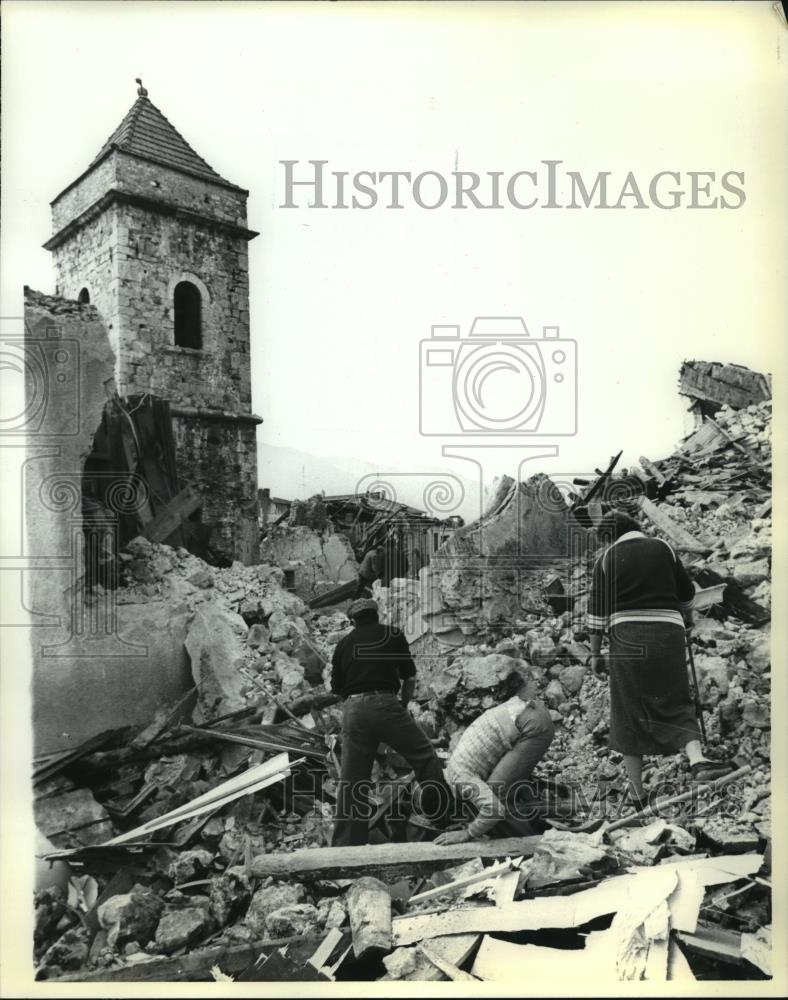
(493, 761)
(368, 668)
(641, 594)
(371, 569)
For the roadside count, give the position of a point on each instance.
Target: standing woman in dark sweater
(641, 595)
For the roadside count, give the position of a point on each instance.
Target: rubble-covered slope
(257, 653)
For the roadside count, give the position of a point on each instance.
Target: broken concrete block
(216, 652)
(270, 897)
(69, 952)
(50, 905)
(578, 652)
(229, 893)
(130, 916)
(540, 648)
(750, 573)
(291, 676)
(755, 546)
(72, 818)
(759, 657)
(728, 836)
(561, 855)
(332, 915)
(572, 678)
(189, 864)
(181, 926)
(554, 694)
(479, 672)
(257, 637)
(401, 962)
(714, 670)
(708, 630)
(305, 652)
(293, 919)
(755, 713)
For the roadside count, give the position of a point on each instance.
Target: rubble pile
(203, 832)
(247, 634)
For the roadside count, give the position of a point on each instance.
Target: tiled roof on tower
(147, 133)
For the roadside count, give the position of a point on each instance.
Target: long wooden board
(387, 861)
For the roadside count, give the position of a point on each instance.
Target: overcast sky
(341, 299)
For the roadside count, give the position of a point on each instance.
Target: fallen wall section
(97, 664)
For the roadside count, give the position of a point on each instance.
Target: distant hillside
(294, 474)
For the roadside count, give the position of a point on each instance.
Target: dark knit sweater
(638, 578)
(373, 657)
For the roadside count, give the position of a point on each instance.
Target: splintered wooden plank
(386, 861)
(580, 907)
(171, 517)
(449, 969)
(483, 876)
(326, 948)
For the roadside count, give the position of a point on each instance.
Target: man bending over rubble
(366, 670)
(494, 758)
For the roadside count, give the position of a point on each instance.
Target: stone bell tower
(157, 240)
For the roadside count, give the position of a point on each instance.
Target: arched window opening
(84, 297)
(188, 315)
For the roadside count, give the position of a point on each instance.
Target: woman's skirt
(651, 710)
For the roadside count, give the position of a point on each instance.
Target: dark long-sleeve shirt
(638, 579)
(373, 657)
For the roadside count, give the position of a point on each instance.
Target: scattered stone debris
(139, 895)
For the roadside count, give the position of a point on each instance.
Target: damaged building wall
(218, 457)
(318, 560)
(711, 385)
(148, 220)
(495, 569)
(97, 664)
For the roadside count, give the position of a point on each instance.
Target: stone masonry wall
(88, 260)
(131, 257)
(218, 458)
(71, 203)
(130, 260)
(128, 173)
(205, 197)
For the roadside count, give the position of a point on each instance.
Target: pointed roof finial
(140, 90)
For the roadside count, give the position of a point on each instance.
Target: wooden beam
(386, 861)
(369, 912)
(682, 539)
(170, 517)
(651, 469)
